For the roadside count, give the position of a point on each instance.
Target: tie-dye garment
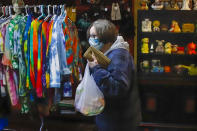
(25, 100)
(48, 42)
(34, 56)
(6, 60)
(54, 58)
(26, 47)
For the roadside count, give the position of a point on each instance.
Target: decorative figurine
(174, 5)
(164, 28)
(175, 27)
(195, 4)
(180, 4)
(181, 50)
(167, 69)
(186, 5)
(159, 48)
(167, 5)
(188, 27)
(152, 48)
(156, 25)
(180, 70)
(144, 65)
(145, 48)
(168, 48)
(156, 66)
(174, 49)
(144, 4)
(192, 70)
(191, 48)
(146, 25)
(157, 5)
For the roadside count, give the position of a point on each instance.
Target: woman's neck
(106, 47)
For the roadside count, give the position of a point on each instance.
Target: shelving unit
(167, 97)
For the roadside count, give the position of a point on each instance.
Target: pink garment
(11, 86)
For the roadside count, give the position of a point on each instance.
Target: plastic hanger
(26, 10)
(3, 12)
(6, 11)
(42, 12)
(49, 13)
(10, 10)
(54, 11)
(58, 10)
(35, 9)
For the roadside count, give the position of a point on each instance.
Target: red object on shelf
(191, 48)
(181, 50)
(167, 69)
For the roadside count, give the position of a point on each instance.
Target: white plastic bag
(89, 100)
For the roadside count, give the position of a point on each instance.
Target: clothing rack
(8, 9)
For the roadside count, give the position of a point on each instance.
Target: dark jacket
(122, 109)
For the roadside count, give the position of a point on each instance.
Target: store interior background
(164, 99)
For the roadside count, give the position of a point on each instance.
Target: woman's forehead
(92, 30)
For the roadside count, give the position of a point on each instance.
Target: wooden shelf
(168, 125)
(170, 33)
(167, 79)
(155, 55)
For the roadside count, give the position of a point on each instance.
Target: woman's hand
(94, 62)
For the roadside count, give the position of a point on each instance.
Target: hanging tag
(115, 8)
(106, 9)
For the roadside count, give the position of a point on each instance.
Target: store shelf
(166, 79)
(170, 33)
(164, 12)
(169, 125)
(157, 55)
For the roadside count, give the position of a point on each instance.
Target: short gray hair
(106, 31)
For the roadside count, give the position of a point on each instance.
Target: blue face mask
(95, 43)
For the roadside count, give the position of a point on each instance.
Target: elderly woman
(122, 109)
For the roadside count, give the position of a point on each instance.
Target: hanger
(3, 11)
(54, 11)
(7, 11)
(35, 9)
(10, 10)
(26, 10)
(63, 11)
(48, 12)
(42, 12)
(58, 9)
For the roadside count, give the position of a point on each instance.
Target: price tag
(106, 9)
